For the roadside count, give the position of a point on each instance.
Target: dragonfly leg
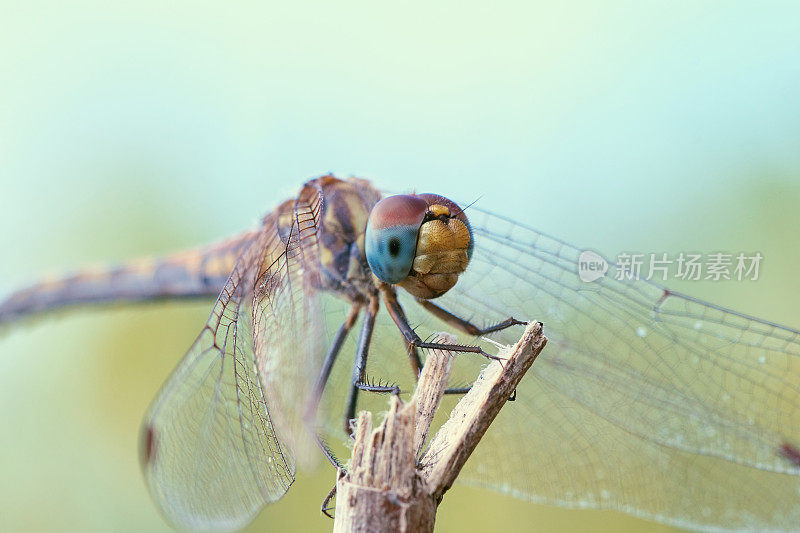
(360, 365)
(398, 314)
(399, 317)
(458, 390)
(329, 455)
(465, 325)
(327, 365)
(464, 390)
(471, 329)
(414, 359)
(326, 507)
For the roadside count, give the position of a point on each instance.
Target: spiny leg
(326, 450)
(325, 507)
(360, 364)
(471, 329)
(330, 358)
(413, 358)
(465, 325)
(464, 390)
(319, 386)
(457, 390)
(399, 317)
(460, 323)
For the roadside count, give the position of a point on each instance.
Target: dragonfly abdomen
(194, 273)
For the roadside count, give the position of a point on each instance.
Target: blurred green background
(136, 130)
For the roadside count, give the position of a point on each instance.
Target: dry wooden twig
(386, 488)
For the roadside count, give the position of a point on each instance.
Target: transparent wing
(645, 401)
(219, 439)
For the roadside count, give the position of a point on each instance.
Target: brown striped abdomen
(199, 272)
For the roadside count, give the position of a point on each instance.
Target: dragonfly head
(421, 242)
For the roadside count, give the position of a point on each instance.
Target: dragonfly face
(420, 242)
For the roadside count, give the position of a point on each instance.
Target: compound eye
(391, 236)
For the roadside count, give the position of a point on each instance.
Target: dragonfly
(645, 400)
